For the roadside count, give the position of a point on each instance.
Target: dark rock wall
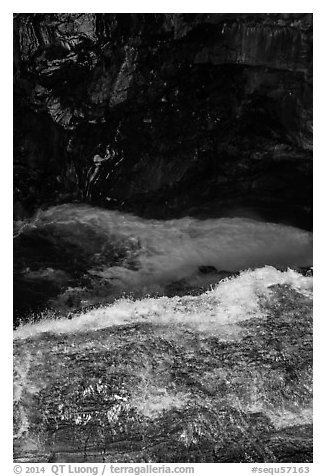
(165, 114)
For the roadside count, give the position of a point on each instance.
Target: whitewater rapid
(126, 249)
(206, 323)
(98, 256)
(229, 302)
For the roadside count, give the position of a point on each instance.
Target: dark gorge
(165, 115)
(163, 238)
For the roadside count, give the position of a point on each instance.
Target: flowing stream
(145, 340)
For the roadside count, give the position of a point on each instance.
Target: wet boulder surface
(162, 389)
(165, 115)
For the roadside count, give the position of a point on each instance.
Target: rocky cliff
(165, 114)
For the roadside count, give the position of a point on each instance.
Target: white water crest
(168, 335)
(230, 301)
(153, 251)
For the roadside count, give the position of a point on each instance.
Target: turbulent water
(170, 249)
(193, 334)
(227, 303)
(79, 248)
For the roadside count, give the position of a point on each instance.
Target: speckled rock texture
(165, 115)
(147, 392)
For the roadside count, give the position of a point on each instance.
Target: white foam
(164, 251)
(231, 301)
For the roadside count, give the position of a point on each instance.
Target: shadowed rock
(201, 114)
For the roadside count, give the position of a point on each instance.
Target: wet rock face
(152, 393)
(165, 114)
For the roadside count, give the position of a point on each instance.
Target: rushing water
(198, 336)
(229, 302)
(92, 253)
(173, 248)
